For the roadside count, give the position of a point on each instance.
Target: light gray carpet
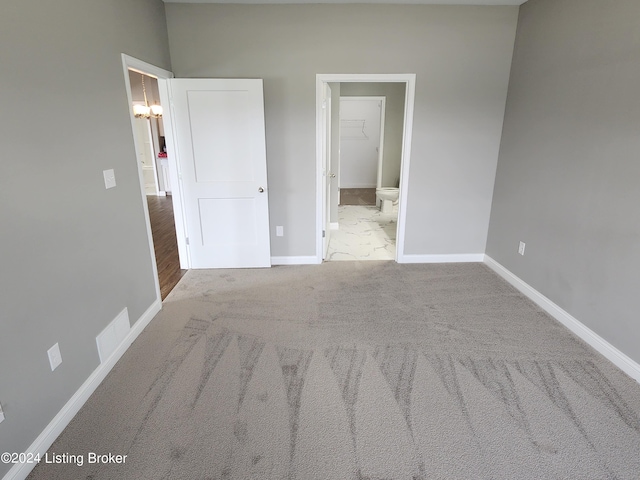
(360, 370)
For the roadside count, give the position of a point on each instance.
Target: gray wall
(567, 179)
(393, 123)
(73, 254)
(461, 55)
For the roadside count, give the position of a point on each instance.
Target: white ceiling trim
(394, 2)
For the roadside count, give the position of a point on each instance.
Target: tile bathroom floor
(365, 233)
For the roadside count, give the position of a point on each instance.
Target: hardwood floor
(164, 240)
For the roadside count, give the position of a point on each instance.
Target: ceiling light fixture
(146, 111)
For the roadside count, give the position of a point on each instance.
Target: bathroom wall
(360, 129)
(393, 125)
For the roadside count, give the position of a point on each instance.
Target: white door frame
(131, 63)
(409, 79)
(175, 176)
(326, 165)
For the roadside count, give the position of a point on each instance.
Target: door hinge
(324, 233)
(186, 240)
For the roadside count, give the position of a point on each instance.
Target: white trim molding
(452, 258)
(40, 445)
(303, 260)
(410, 81)
(619, 359)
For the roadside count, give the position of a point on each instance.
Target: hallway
(165, 243)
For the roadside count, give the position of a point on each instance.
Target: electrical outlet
(279, 231)
(109, 178)
(521, 248)
(55, 358)
(1, 414)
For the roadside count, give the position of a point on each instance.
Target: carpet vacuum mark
(368, 370)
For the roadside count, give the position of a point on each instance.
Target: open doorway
(363, 164)
(149, 135)
(154, 165)
(148, 131)
(366, 228)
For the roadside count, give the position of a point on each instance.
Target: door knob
(333, 175)
(260, 189)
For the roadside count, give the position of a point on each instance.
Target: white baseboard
(303, 260)
(455, 258)
(619, 359)
(20, 471)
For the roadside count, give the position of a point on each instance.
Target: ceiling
(398, 2)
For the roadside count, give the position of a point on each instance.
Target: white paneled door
(220, 134)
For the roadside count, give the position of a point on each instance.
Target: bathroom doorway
(364, 232)
(359, 229)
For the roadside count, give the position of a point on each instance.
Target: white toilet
(388, 197)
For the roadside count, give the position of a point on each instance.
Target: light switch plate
(109, 178)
